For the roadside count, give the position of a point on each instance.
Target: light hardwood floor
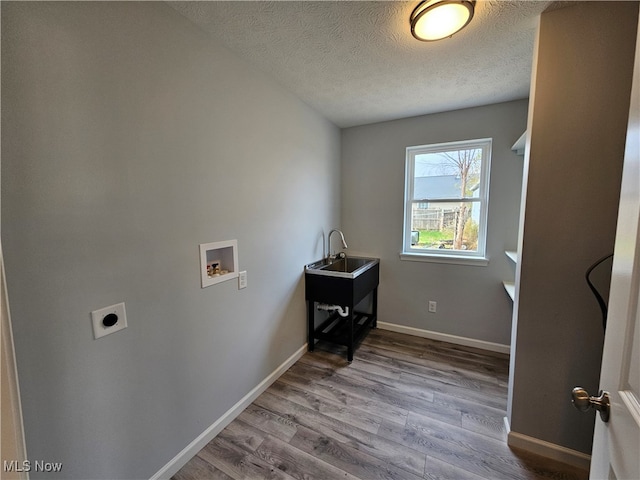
(406, 408)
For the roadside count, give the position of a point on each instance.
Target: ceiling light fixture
(436, 19)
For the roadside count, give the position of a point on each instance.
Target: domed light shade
(436, 19)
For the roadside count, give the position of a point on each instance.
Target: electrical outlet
(108, 320)
(242, 280)
(432, 306)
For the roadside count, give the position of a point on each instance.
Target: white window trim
(460, 257)
(450, 259)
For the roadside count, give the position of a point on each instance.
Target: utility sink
(343, 282)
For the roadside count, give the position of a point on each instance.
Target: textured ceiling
(357, 63)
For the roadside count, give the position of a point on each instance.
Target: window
(446, 200)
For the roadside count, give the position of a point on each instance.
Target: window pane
(446, 199)
(447, 174)
(445, 226)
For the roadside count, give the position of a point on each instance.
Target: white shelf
(518, 147)
(510, 288)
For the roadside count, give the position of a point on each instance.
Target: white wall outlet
(242, 280)
(432, 306)
(108, 320)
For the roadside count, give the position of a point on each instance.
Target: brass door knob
(583, 402)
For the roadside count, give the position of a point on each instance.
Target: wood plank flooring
(406, 408)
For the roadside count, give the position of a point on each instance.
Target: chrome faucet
(344, 244)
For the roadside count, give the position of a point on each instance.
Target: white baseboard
(507, 427)
(549, 450)
(177, 462)
(445, 337)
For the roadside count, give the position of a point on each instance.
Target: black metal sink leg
(311, 325)
(350, 341)
(374, 308)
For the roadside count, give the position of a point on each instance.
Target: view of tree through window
(447, 199)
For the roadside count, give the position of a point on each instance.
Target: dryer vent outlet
(108, 320)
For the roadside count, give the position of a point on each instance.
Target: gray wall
(128, 138)
(471, 300)
(578, 120)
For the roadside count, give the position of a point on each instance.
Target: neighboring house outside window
(446, 202)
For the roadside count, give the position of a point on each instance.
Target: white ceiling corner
(357, 63)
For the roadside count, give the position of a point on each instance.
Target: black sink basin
(344, 281)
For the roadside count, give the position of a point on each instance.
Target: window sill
(450, 259)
